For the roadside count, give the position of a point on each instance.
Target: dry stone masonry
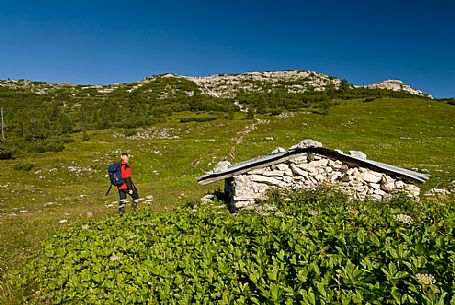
(301, 168)
(311, 171)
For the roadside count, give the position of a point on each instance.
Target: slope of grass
(69, 185)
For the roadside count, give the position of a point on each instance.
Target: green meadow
(47, 194)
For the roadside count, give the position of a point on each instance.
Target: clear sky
(88, 42)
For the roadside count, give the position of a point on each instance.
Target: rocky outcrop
(396, 85)
(310, 171)
(295, 81)
(219, 85)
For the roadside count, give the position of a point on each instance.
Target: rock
(307, 167)
(319, 178)
(413, 190)
(344, 168)
(268, 180)
(298, 171)
(282, 167)
(314, 157)
(221, 166)
(380, 192)
(288, 172)
(279, 150)
(300, 158)
(376, 197)
(288, 179)
(208, 198)
(273, 173)
(358, 154)
(319, 163)
(258, 171)
(63, 221)
(399, 184)
(306, 144)
(372, 178)
(335, 176)
(346, 178)
(374, 186)
(388, 187)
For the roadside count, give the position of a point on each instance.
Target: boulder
(358, 154)
(221, 166)
(268, 180)
(279, 150)
(372, 178)
(306, 144)
(298, 171)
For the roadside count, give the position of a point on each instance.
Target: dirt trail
(241, 135)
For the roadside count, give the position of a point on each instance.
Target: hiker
(128, 187)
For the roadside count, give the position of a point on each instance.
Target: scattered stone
(221, 166)
(369, 177)
(306, 144)
(358, 154)
(208, 198)
(279, 150)
(63, 221)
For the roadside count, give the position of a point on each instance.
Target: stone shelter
(309, 165)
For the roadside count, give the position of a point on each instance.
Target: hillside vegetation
(47, 192)
(316, 248)
(40, 117)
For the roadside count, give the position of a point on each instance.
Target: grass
(411, 133)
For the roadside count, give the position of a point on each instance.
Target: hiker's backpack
(115, 173)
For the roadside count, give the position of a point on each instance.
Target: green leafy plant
(318, 247)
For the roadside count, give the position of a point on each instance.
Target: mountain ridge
(223, 85)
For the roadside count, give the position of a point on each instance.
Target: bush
(198, 119)
(318, 245)
(5, 153)
(23, 167)
(45, 145)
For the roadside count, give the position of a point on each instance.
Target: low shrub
(23, 167)
(317, 247)
(5, 153)
(198, 119)
(45, 145)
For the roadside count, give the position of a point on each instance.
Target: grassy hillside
(41, 189)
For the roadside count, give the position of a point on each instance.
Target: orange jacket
(126, 174)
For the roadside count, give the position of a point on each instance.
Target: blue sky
(87, 42)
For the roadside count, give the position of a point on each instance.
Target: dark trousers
(122, 204)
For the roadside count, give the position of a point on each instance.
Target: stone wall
(310, 171)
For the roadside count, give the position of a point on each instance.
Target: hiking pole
(109, 189)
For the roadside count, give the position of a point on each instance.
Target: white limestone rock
(298, 171)
(372, 178)
(358, 154)
(279, 150)
(221, 166)
(306, 144)
(268, 180)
